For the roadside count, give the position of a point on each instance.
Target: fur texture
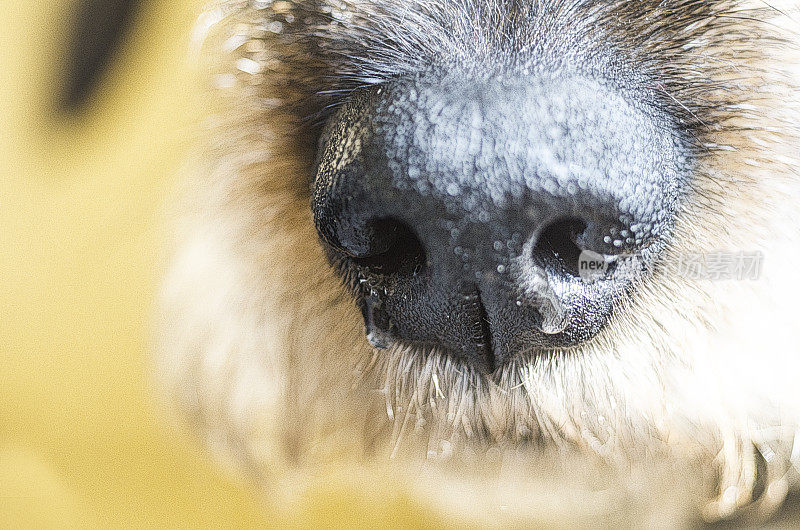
(686, 407)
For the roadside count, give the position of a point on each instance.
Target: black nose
(464, 212)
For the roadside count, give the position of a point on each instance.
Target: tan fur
(665, 417)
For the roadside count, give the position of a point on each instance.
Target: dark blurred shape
(97, 28)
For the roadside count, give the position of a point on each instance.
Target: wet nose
(462, 212)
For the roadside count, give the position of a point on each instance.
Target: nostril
(402, 251)
(556, 247)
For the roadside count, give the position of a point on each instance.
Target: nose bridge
(520, 153)
(451, 142)
(467, 167)
(447, 163)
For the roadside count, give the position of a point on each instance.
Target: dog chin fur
(685, 408)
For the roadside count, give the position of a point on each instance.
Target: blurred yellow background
(81, 200)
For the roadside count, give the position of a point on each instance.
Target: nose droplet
(377, 324)
(541, 293)
(554, 317)
(378, 339)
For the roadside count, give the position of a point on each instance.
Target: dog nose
(461, 213)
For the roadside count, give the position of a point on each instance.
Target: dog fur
(685, 408)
